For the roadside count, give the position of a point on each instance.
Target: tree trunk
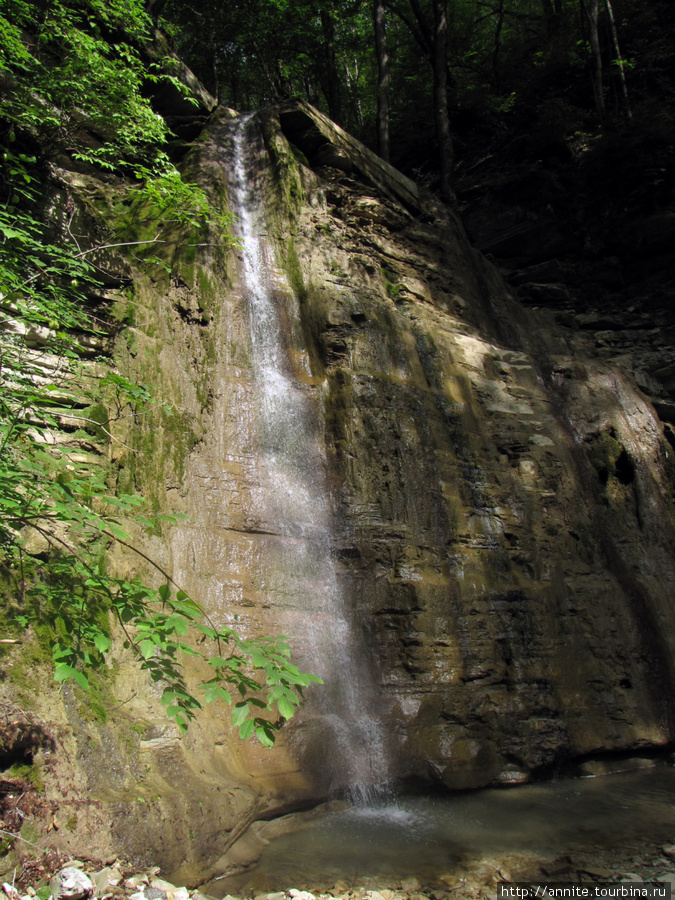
(214, 86)
(441, 95)
(592, 10)
(619, 58)
(383, 80)
(425, 33)
(331, 83)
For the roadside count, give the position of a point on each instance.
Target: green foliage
(73, 81)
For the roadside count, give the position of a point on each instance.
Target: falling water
(293, 502)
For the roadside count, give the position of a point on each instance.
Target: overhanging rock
(325, 144)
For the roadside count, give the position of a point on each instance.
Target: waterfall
(293, 501)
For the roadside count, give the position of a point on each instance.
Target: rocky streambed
(600, 830)
(121, 880)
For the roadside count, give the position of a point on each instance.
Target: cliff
(459, 513)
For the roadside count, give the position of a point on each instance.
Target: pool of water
(428, 837)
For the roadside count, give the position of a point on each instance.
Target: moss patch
(609, 458)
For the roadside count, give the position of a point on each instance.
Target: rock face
(490, 512)
(502, 500)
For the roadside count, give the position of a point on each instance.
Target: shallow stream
(428, 837)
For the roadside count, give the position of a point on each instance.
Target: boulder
(71, 884)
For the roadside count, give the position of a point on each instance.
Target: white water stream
(293, 502)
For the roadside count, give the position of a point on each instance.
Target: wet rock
(410, 884)
(472, 547)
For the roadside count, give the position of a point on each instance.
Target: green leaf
(117, 530)
(264, 736)
(102, 643)
(247, 729)
(215, 692)
(62, 672)
(240, 714)
(147, 648)
(285, 708)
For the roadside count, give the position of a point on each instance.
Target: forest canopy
(492, 65)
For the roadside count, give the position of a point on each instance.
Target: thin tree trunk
(383, 79)
(619, 58)
(425, 32)
(592, 10)
(213, 67)
(352, 79)
(441, 95)
(332, 79)
(416, 33)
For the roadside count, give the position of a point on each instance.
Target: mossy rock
(610, 459)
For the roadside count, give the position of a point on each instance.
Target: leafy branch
(68, 82)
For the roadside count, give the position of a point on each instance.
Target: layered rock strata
(498, 503)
